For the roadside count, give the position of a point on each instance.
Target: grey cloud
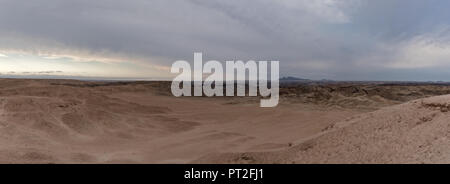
(310, 38)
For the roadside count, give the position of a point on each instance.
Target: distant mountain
(290, 78)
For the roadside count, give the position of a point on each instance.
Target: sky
(315, 39)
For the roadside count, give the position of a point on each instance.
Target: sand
(68, 121)
(413, 132)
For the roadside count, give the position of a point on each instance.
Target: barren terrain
(69, 121)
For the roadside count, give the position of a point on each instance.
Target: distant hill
(290, 78)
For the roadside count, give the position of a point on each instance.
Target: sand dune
(64, 121)
(414, 132)
(68, 121)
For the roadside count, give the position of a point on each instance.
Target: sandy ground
(413, 132)
(64, 121)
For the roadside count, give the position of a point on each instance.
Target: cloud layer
(344, 40)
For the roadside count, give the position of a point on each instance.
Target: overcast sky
(341, 40)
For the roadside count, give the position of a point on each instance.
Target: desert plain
(71, 121)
